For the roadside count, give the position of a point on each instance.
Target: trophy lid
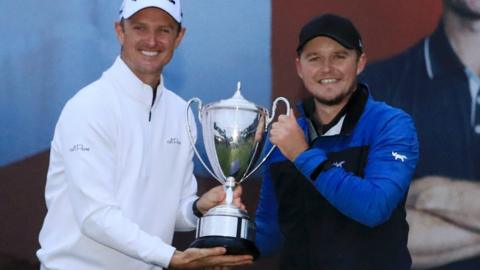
(237, 100)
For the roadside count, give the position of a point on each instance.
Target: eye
(313, 59)
(140, 28)
(340, 56)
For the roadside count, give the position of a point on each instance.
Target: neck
(153, 83)
(464, 36)
(147, 78)
(326, 113)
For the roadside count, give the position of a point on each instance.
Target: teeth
(149, 53)
(325, 81)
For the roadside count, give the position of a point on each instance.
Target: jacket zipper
(151, 107)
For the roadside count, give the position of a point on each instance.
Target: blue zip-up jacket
(343, 200)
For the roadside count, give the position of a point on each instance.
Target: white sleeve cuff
(162, 255)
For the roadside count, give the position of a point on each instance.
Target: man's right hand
(194, 258)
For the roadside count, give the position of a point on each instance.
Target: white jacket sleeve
(186, 220)
(88, 147)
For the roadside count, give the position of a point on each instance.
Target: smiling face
(148, 39)
(329, 70)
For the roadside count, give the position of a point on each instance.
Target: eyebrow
(311, 54)
(158, 26)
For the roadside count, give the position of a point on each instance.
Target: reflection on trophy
(233, 136)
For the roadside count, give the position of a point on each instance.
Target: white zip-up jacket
(120, 179)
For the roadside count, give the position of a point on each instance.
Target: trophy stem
(229, 186)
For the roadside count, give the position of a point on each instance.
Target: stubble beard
(337, 99)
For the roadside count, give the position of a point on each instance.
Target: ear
(362, 62)
(120, 33)
(179, 37)
(298, 65)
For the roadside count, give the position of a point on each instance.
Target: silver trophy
(233, 136)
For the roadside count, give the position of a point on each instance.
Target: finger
(236, 263)
(274, 126)
(282, 118)
(198, 253)
(219, 194)
(229, 260)
(274, 132)
(238, 203)
(292, 114)
(274, 139)
(238, 191)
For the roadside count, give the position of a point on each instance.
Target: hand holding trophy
(233, 136)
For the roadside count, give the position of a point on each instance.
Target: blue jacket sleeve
(268, 236)
(392, 157)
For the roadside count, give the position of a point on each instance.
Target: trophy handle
(274, 109)
(269, 121)
(190, 137)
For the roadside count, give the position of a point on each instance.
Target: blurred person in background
(437, 81)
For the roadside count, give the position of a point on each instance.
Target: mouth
(149, 53)
(328, 81)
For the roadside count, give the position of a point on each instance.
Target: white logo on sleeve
(398, 156)
(339, 164)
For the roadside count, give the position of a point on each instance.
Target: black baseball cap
(333, 26)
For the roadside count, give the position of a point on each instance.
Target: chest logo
(174, 141)
(79, 147)
(339, 164)
(398, 156)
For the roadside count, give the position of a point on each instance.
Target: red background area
(387, 27)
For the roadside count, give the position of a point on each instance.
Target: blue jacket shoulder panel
(392, 144)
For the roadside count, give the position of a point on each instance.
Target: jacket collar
(127, 82)
(440, 58)
(344, 122)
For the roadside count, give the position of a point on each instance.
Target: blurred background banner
(51, 49)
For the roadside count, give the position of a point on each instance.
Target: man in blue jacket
(333, 195)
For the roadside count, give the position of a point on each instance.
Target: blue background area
(51, 49)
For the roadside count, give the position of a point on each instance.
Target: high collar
(440, 58)
(344, 122)
(127, 82)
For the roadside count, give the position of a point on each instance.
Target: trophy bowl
(234, 132)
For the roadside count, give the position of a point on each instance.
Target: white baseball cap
(130, 7)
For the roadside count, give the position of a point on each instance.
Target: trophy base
(234, 245)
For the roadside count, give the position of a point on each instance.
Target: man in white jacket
(120, 179)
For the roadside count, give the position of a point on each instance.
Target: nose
(326, 66)
(150, 39)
